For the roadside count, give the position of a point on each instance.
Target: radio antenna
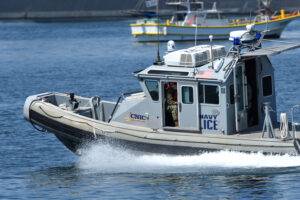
(211, 50)
(196, 30)
(158, 60)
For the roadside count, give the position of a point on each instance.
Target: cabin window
(187, 95)
(212, 16)
(174, 73)
(180, 16)
(209, 94)
(152, 87)
(231, 94)
(267, 85)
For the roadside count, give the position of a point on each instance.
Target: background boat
(199, 23)
(53, 9)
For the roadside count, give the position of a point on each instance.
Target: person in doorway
(172, 103)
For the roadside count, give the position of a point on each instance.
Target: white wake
(107, 159)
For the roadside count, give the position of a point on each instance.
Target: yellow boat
(199, 24)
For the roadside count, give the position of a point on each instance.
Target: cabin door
(188, 106)
(241, 101)
(252, 92)
(180, 105)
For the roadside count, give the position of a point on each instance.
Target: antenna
(188, 5)
(158, 60)
(214, 7)
(211, 50)
(267, 24)
(196, 30)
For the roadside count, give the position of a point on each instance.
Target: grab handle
(180, 107)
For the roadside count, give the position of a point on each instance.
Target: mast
(158, 60)
(264, 7)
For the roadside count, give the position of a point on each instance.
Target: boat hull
(75, 138)
(75, 131)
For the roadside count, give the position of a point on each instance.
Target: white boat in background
(199, 24)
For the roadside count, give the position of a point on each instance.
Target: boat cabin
(203, 18)
(202, 89)
(198, 16)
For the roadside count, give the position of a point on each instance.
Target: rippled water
(97, 58)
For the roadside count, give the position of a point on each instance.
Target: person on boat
(172, 103)
(74, 103)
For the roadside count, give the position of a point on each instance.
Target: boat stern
(147, 31)
(137, 29)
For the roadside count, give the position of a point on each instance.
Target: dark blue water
(98, 58)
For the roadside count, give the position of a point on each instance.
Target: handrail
(132, 92)
(121, 97)
(113, 112)
(293, 122)
(268, 126)
(138, 71)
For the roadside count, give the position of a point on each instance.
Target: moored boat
(203, 98)
(199, 24)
